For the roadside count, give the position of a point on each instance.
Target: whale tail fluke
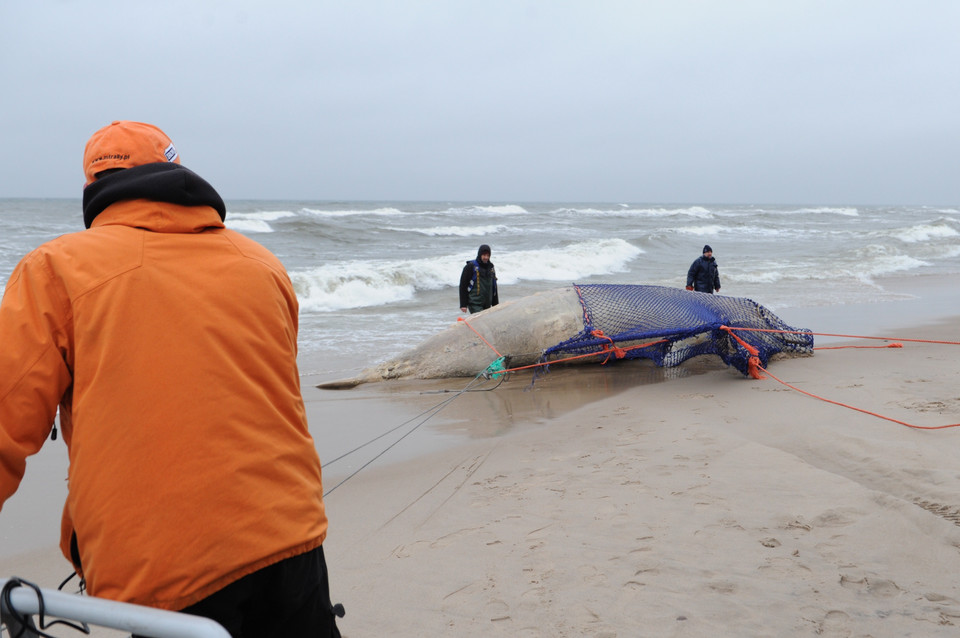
(342, 384)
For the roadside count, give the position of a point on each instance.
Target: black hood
(159, 182)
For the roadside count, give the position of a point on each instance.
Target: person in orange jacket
(168, 342)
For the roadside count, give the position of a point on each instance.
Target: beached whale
(521, 328)
(589, 318)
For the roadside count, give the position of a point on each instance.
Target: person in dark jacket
(478, 283)
(704, 276)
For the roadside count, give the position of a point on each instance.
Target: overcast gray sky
(674, 101)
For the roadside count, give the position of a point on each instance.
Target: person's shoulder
(79, 256)
(78, 242)
(251, 248)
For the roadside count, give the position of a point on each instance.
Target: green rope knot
(495, 370)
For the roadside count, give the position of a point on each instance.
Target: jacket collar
(159, 182)
(159, 217)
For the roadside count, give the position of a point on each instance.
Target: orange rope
(584, 356)
(753, 362)
(609, 348)
(827, 334)
(478, 334)
(891, 345)
(844, 405)
(752, 351)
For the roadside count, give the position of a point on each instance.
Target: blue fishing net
(683, 324)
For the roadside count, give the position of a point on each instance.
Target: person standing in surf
(168, 344)
(704, 276)
(478, 283)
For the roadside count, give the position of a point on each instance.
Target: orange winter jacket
(169, 344)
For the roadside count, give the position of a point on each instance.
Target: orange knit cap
(124, 144)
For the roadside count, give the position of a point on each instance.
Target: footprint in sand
(722, 587)
(853, 582)
(939, 598)
(835, 622)
(880, 587)
(835, 518)
(928, 406)
(947, 512)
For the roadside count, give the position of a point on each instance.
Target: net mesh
(678, 325)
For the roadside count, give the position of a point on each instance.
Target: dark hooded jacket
(158, 182)
(478, 283)
(704, 275)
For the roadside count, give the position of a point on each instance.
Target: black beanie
(707, 249)
(484, 249)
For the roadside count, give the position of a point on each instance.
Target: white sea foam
(878, 259)
(389, 211)
(575, 261)
(384, 212)
(358, 284)
(894, 264)
(456, 231)
(692, 211)
(924, 232)
(863, 264)
(265, 215)
(503, 209)
(257, 222)
(713, 229)
(248, 225)
(826, 210)
(739, 231)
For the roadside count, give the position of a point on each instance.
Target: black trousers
(289, 599)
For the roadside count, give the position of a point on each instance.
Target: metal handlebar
(137, 619)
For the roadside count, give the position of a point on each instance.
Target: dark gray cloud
(684, 101)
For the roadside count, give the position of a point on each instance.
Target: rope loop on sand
(844, 405)
(759, 367)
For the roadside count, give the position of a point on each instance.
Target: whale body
(521, 328)
(668, 325)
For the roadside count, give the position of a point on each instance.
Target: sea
(376, 278)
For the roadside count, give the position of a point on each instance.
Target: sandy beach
(705, 505)
(634, 501)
